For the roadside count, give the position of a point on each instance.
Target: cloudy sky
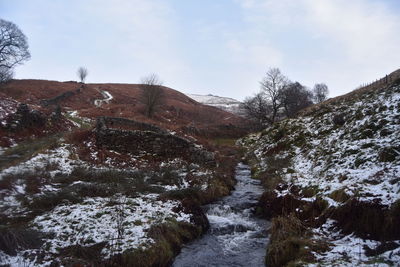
(222, 47)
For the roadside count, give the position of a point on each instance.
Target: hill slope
(332, 180)
(177, 110)
(96, 183)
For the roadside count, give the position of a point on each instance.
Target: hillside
(225, 103)
(176, 113)
(94, 182)
(332, 181)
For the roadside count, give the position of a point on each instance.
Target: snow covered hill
(224, 103)
(336, 171)
(70, 197)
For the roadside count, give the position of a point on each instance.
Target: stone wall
(24, 118)
(115, 123)
(150, 139)
(57, 99)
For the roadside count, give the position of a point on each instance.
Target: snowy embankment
(346, 159)
(107, 98)
(66, 204)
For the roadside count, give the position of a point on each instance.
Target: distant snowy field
(225, 103)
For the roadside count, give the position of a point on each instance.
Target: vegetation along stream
(236, 237)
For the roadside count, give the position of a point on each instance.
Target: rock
(25, 118)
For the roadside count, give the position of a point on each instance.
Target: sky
(219, 47)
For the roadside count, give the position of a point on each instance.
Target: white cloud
(119, 40)
(258, 54)
(342, 43)
(357, 41)
(367, 29)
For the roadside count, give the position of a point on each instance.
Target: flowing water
(236, 237)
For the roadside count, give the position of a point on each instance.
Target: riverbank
(331, 182)
(60, 209)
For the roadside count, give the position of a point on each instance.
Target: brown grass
(177, 111)
(169, 238)
(369, 220)
(78, 136)
(13, 239)
(28, 149)
(290, 242)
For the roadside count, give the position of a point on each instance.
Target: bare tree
(295, 97)
(13, 49)
(320, 92)
(6, 74)
(272, 85)
(151, 93)
(257, 109)
(82, 73)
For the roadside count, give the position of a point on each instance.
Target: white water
(236, 237)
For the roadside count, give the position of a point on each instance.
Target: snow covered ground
(349, 150)
(70, 208)
(119, 223)
(361, 157)
(107, 98)
(228, 104)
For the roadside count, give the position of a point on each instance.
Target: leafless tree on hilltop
(152, 94)
(82, 73)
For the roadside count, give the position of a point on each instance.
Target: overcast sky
(222, 47)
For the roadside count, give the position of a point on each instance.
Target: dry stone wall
(57, 99)
(115, 123)
(148, 138)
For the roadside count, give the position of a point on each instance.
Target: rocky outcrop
(147, 138)
(24, 117)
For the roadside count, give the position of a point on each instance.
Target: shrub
(339, 195)
(309, 191)
(48, 201)
(79, 136)
(7, 182)
(188, 193)
(78, 255)
(169, 238)
(34, 179)
(167, 176)
(14, 239)
(287, 241)
(387, 154)
(104, 183)
(338, 119)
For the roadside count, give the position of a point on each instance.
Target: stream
(236, 237)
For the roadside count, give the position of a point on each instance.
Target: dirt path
(107, 98)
